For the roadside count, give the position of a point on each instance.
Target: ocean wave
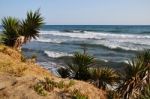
(53, 54)
(120, 47)
(133, 42)
(49, 40)
(74, 31)
(95, 35)
(116, 47)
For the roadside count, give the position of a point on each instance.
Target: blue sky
(86, 12)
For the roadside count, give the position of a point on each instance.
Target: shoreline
(57, 63)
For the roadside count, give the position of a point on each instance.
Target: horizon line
(99, 24)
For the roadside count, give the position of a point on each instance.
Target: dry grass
(10, 62)
(17, 80)
(10, 52)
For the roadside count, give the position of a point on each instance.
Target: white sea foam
(105, 60)
(110, 40)
(95, 35)
(126, 61)
(49, 40)
(56, 54)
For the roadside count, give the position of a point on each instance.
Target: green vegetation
(145, 94)
(10, 32)
(76, 94)
(80, 65)
(1, 36)
(134, 84)
(40, 89)
(128, 85)
(83, 70)
(71, 83)
(104, 76)
(48, 85)
(31, 25)
(17, 32)
(137, 75)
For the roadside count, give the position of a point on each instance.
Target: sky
(81, 12)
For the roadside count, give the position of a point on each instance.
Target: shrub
(11, 28)
(39, 88)
(76, 94)
(49, 85)
(137, 75)
(104, 76)
(71, 83)
(17, 32)
(80, 65)
(61, 84)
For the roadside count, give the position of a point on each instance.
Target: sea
(108, 43)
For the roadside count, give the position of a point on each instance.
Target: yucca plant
(145, 57)
(104, 76)
(31, 25)
(16, 32)
(134, 80)
(11, 27)
(80, 65)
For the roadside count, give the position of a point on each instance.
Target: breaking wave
(132, 42)
(53, 54)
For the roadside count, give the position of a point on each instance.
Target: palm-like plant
(145, 57)
(104, 76)
(20, 32)
(31, 25)
(134, 80)
(10, 31)
(80, 65)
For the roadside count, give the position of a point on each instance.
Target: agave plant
(134, 80)
(16, 33)
(10, 31)
(80, 65)
(104, 76)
